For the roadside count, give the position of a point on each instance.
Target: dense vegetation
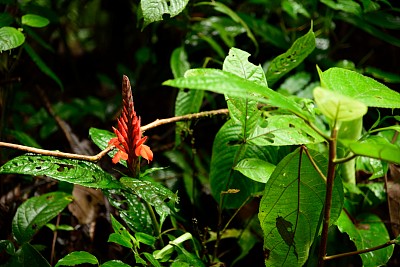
(244, 133)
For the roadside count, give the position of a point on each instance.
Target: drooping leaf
(77, 257)
(375, 147)
(155, 194)
(283, 130)
(368, 232)
(33, 20)
(10, 38)
(42, 65)
(284, 63)
(34, 213)
(291, 208)
(255, 169)
(362, 88)
(229, 148)
(338, 107)
(153, 10)
(226, 83)
(121, 236)
(68, 170)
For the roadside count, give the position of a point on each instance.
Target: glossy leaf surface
(33, 20)
(153, 10)
(34, 213)
(10, 38)
(255, 169)
(77, 257)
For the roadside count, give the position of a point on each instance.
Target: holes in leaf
(266, 253)
(49, 197)
(235, 142)
(38, 167)
(186, 90)
(64, 167)
(34, 226)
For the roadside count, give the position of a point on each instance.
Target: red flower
(129, 140)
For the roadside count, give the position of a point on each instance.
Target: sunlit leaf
(287, 61)
(10, 38)
(68, 170)
(115, 263)
(34, 20)
(77, 257)
(368, 232)
(338, 107)
(34, 213)
(291, 208)
(255, 169)
(359, 87)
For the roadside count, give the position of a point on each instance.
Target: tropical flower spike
(129, 140)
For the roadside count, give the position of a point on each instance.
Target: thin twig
(97, 157)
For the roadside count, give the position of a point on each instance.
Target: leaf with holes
(291, 208)
(154, 10)
(68, 170)
(284, 63)
(36, 212)
(155, 194)
(283, 130)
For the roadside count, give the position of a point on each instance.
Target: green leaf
(121, 235)
(7, 246)
(153, 193)
(34, 213)
(375, 147)
(229, 148)
(10, 38)
(115, 263)
(131, 210)
(27, 255)
(362, 88)
(42, 65)
(338, 107)
(227, 83)
(255, 169)
(283, 130)
(388, 77)
(287, 61)
(145, 238)
(34, 21)
(349, 6)
(291, 208)
(369, 232)
(151, 259)
(77, 257)
(153, 10)
(80, 172)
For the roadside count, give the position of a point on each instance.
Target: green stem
(156, 225)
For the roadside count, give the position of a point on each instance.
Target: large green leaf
(291, 208)
(42, 65)
(73, 171)
(153, 193)
(77, 257)
(360, 87)
(36, 212)
(227, 83)
(368, 232)
(255, 169)
(229, 149)
(27, 255)
(284, 63)
(153, 10)
(283, 130)
(34, 20)
(349, 6)
(10, 38)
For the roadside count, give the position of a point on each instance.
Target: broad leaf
(291, 208)
(283, 130)
(115, 263)
(73, 171)
(27, 255)
(10, 38)
(155, 194)
(284, 63)
(349, 6)
(121, 236)
(77, 257)
(338, 107)
(34, 21)
(153, 10)
(36, 212)
(255, 169)
(42, 65)
(229, 149)
(226, 83)
(362, 88)
(368, 232)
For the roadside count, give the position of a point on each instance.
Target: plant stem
(332, 142)
(352, 253)
(97, 157)
(156, 225)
